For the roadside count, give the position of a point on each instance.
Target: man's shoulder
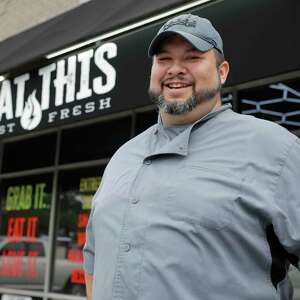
(257, 139)
(259, 130)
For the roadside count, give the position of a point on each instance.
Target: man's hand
(89, 285)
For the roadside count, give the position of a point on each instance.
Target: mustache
(176, 78)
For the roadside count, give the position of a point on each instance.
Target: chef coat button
(127, 247)
(135, 200)
(147, 161)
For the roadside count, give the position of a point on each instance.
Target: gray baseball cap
(196, 30)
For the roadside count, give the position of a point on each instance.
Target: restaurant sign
(69, 89)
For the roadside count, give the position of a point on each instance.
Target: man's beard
(182, 107)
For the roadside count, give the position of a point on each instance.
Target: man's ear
(223, 71)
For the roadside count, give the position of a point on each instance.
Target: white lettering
(85, 59)
(104, 103)
(98, 86)
(10, 127)
(67, 80)
(76, 110)
(45, 72)
(64, 113)
(6, 100)
(52, 116)
(20, 82)
(89, 107)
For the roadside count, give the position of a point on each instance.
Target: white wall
(19, 15)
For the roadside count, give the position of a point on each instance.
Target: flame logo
(32, 114)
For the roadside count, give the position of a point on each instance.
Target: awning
(86, 21)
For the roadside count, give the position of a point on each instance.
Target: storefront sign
(25, 197)
(24, 226)
(62, 91)
(18, 264)
(87, 188)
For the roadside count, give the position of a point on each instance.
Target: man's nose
(176, 68)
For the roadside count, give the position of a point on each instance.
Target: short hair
(220, 58)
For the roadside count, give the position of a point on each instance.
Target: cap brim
(197, 42)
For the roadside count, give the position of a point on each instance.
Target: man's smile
(177, 85)
(175, 88)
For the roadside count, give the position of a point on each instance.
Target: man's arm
(286, 208)
(88, 251)
(88, 258)
(89, 285)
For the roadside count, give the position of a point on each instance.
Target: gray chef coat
(210, 213)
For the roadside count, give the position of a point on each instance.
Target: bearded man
(204, 204)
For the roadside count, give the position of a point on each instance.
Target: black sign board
(83, 85)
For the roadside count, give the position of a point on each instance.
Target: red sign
(16, 264)
(77, 276)
(75, 255)
(19, 227)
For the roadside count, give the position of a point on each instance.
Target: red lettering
(3, 269)
(80, 239)
(14, 253)
(12, 266)
(32, 228)
(33, 253)
(18, 266)
(75, 255)
(83, 220)
(15, 228)
(77, 276)
(31, 266)
(10, 231)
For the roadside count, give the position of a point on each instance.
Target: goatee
(182, 107)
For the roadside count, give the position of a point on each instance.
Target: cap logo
(184, 22)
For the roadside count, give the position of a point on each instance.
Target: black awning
(86, 21)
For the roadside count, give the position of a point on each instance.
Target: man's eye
(193, 57)
(163, 58)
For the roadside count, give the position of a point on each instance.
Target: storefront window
(17, 155)
(227, 98)
(76, 190)
(24, 223)
(278, 102)
(145, 120)
(95, 141)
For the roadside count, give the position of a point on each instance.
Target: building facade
(61, 119)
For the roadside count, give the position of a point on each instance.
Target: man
(204, 204)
